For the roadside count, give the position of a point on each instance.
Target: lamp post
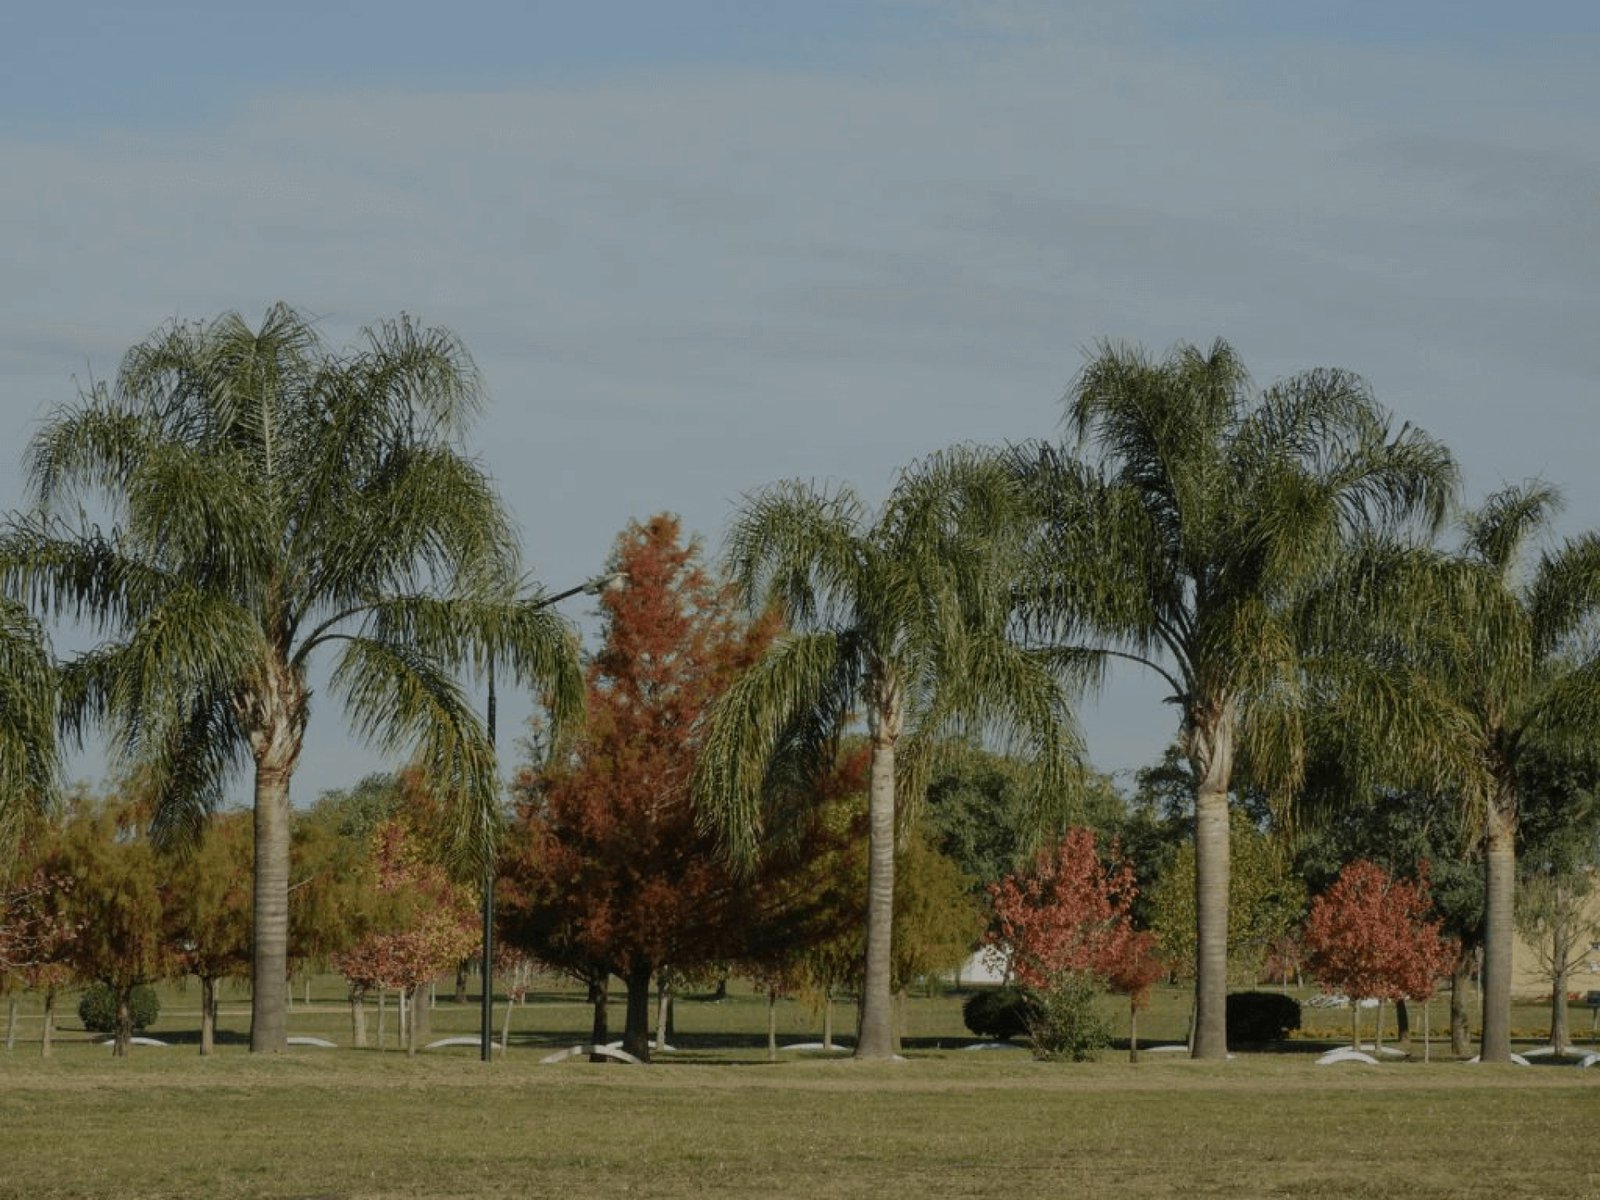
(609, 582)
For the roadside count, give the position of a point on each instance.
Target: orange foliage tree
(1375, 937)
(607, 872)
(1071, 912)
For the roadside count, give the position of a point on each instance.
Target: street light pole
(589, 587)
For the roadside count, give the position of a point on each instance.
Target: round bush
(1069, 1026)
(1261, 1016)
(98, 1008)
(1002, 1013)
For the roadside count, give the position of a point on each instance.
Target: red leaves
(1072, 912)
(1371, 936)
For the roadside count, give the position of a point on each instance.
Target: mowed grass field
(715, 1117)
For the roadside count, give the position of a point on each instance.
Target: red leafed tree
(1374, 937)
(1072, 912)
(608, 872)
(1069, 912)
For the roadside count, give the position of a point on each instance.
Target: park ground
(715, 1116)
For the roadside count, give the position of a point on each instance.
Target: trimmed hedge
(1261, 1017)
(98, 1008)
(1001, 1013)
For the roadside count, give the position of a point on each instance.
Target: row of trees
(1272, 556)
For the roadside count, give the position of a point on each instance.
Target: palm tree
(1183, 544)
(270, 499)
(27, 720)
(906, 615)
(1501, 662)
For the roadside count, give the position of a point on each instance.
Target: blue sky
(697, 247)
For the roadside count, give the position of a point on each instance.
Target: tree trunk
(421, 1015)
(1355, 1022)
(772, 1025)
(1133, 1032)
(877, 997)
(1560, 1039)
(1402, 1022)
(48, 1035)
(358, 1018)
(409, 1007)
(208, 1015)
(1460, 1035)
(461, 982)
(274, 713)
(505, 1029)
(827, 1018)
(11, 1025)
(269, 980)
(599, 1026)
(1501, 867)
(636, 1031)
(1377, 1030)
(1211, 756)
(663, 1010)
(124, 1036)
(380, 1019)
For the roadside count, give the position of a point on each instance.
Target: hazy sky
(699, 246)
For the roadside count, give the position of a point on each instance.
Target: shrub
(1069, 1026)
(1002, 1013)
(1261, 1016)
(98, 1008)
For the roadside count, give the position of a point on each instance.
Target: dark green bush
(1069, 1026)
(1261, 1016)
(98, 1009)
(1001, 1013)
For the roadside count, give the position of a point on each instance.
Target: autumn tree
(1375, 937)
(115, 902)
(610, 874)
(207, 911)
(36, 942)
(424, 922)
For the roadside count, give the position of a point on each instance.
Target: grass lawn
(716, 1117)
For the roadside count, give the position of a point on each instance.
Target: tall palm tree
(27, 720)
(1502, 660)
(270, 499)
(1183, 544)
(905, 614)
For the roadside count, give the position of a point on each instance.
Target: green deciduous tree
(271, 498)
(905, 613)
(1184, 543)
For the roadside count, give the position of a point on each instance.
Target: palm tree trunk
(1211, 755)
(1501, 867)
(877, 997)
(269, 982)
